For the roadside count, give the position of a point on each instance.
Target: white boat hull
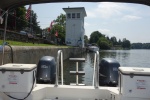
(93, 48)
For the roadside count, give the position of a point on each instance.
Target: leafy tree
(103, 43)
(16, 19)
(61, 20)
(20, 21)
(146, 46)
(86, 39)
(140, 45)
(35, 25)
(126, 44)
(107, 38)
(94, 37)
(137, 46)
(59, 26)
(113, 40)
(119, 42)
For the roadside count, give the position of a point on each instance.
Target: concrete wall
(32, 54)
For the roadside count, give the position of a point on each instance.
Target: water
(126, 58)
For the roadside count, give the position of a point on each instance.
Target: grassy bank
(16, 43)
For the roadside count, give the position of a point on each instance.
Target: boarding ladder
(77, 72)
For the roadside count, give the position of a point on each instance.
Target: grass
(16, 43)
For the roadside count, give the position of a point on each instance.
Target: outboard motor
(46, 70)
(108, 72)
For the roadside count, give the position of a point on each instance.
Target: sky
(122, 20)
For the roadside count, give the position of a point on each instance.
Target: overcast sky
(122, 20)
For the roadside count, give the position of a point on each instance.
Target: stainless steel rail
(59, 58)
(96, 70)
(4, 36)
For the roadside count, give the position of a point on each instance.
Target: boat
(18, 81)
(92, 48)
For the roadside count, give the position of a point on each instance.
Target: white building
(75, 26)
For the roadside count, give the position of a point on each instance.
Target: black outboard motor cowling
(108, 72)
(46, 70)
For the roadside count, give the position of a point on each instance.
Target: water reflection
(126, 58)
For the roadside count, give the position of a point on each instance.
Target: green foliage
(94, 37)
(137, 46)
(35, 24)
(103, 43)
(113, 40)
(119, 42)
(61, 20)
(146, 46)
(86, 39)
(17, 21)
(59, 26)
(20, 20)
(126, 44)
(140, 46)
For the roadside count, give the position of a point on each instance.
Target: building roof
(7, 4)
(75, 8)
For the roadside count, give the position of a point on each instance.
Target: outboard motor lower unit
(46, 69)
(108, 72)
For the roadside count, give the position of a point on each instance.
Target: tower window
(78, 15)
(73, 15)
(68, 15)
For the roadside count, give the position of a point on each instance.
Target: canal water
(126, 58)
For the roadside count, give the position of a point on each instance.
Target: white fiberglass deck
(66, 92)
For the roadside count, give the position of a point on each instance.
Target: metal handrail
(60, 53)
(4, 36)
(96, 70)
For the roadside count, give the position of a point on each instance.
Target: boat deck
(67, 92)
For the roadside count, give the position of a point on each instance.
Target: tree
(86, 39)
(107, 38)
(94, 37)
(113, 40)
(137, 46)
(16, 19)
(59, 26)
(20, 21)
(35, 25)
(146, 46)
(126, 44)
(61, 20)
(103, 43)
(119, 42)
